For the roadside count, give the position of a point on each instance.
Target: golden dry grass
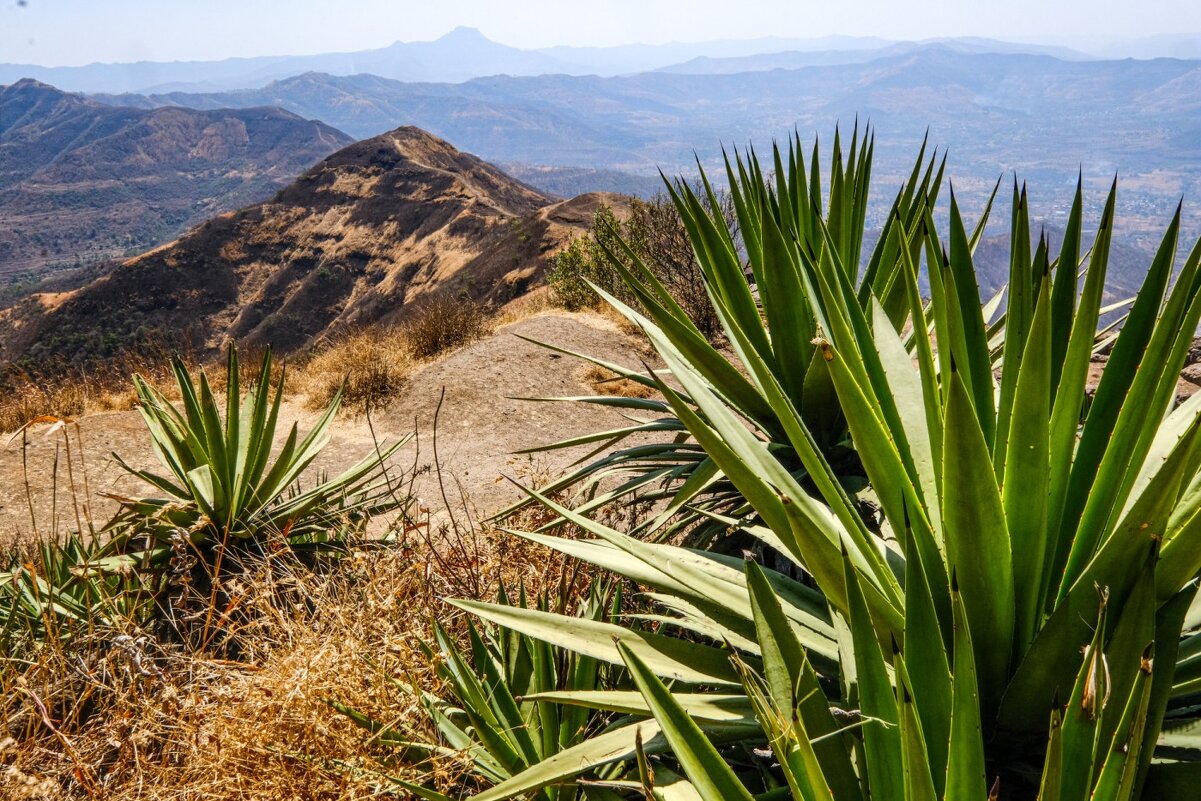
(25, 396)
(371, 366)
(606, 382)
(147, 722)
(442, 323)
(125, 717)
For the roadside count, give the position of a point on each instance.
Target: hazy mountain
(460, 55)
(81, 181)
(796, 59)
(358, 238)
(1042, 116)
(631, 58)
(572, 181)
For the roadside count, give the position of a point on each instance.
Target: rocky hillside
(357, 239)
(82, 181)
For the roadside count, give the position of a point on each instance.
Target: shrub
(652, 234)
(444, 322)
(368, 367)
(1014, 622)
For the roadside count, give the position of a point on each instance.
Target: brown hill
(357, 239)
(82, 181)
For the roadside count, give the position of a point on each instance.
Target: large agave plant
(776, 220)
(1020, 622)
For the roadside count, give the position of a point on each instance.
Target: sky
(70, 32)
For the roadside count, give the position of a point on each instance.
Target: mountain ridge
(82, 181)
(459, 55)
(360, 238)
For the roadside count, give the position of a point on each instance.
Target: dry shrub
(606, 382)
(374, 365)
(165, 724)
(26, 394)
(444, 322)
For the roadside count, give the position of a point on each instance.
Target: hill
(357, 239)
(82, 181)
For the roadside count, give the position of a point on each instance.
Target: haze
(73, 32)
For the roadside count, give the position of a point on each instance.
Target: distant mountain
(633, 58)
(460, 55)
(1041, 116)
(357, 239)
(81, 181)
(797, 59)
(572, 181)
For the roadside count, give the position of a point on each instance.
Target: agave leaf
(704, 766)
(671, 657)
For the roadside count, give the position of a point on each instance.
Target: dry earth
(480, 425)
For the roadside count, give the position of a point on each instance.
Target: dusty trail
(480, 425)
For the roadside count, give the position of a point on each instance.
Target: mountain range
(82, 181)
(466, 53)
(402, 214)
(362, 237)
(1046, 118)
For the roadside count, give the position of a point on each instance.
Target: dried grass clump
(444, 322)
(26, 395)
(373, 364)
(176, 725)
(607, 382)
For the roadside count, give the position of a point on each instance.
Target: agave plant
(501, 712)
(776, 221)
(225, 498)
(1019, 623)
(66, 591)
(222, 484)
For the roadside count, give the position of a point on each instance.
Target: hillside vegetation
(81, 181)
(827, 531)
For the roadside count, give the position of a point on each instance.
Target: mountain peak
(464, 35)
(32, 85)
(357, 239)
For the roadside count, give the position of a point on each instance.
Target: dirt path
(480, 425)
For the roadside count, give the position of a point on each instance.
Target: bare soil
(483, 420)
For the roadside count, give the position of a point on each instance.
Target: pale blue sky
(61, 32)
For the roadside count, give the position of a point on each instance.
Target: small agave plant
(1020, 622)
(500, 711)
(223, 484)
(228, 490)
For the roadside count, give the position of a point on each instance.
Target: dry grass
(607, 382)
(443, 323)
(146, 722)
(25, 396)
(370, 365)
